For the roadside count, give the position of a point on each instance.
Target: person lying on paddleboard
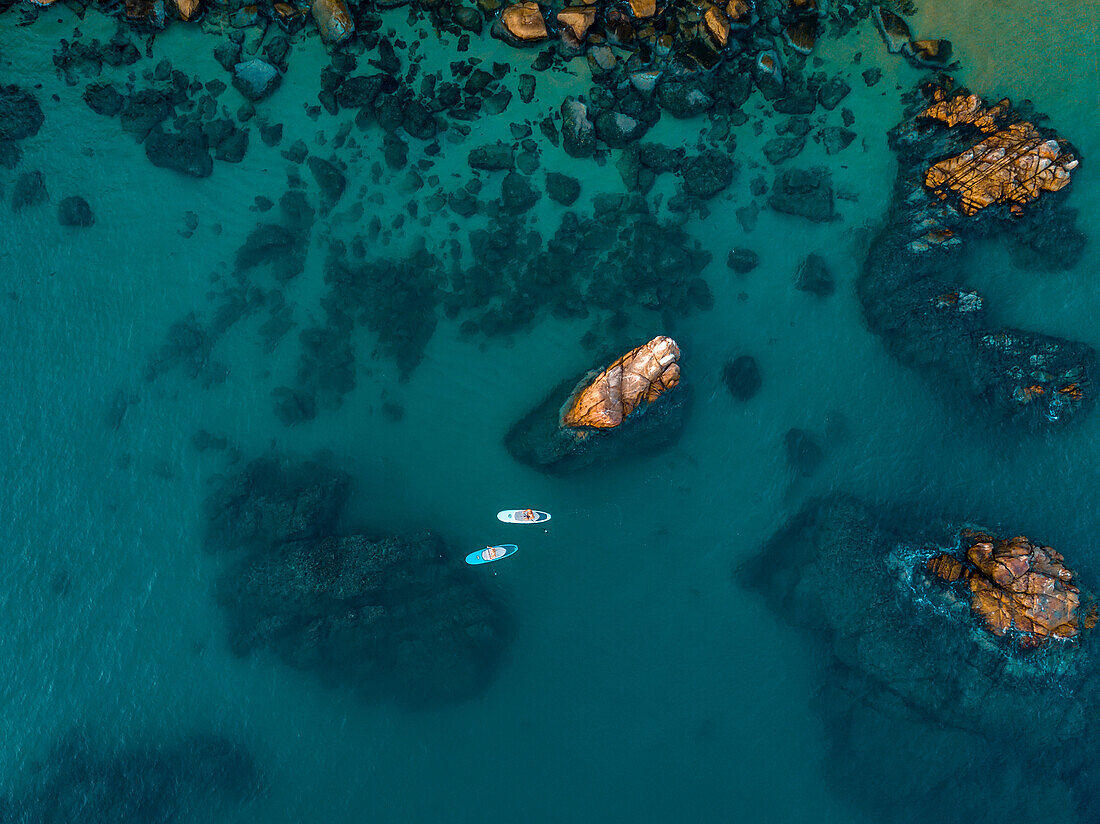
(491, 553)
(529, 515)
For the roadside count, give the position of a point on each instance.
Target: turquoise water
(642, 684)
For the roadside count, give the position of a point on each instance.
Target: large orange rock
(575, 21)
(188, 9)
(639, 377)
(523, 22)
(1018, 588)
(333, 19)
(1013, 164)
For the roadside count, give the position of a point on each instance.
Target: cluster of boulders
(177, 117)
(402, 618)
(968, 170)
(631, 407)
(902, 660)
(1018, 588)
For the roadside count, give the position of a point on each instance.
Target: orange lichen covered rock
(637, 378)
(1018, 588)
(946, 567)
(1013, 164)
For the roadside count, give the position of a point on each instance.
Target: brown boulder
(718, 27)
(643, 8)
(188, 9)
(1019, 589)
(333, 19)
(574, 22)
(637, 378)
(523, 23)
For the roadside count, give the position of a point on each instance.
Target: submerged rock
(256, 79)
(184, 152)
(707, 174)
(805, 193)
(562, 189)
(29, 190)
(577, 131)
(159, 783)
(75, 211)
(632, 406)
(742, 260)
(20, 115)
(814, 277)
(401, 618)
(742, 377)
(274, 500)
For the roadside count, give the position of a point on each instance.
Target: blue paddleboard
(481, 556)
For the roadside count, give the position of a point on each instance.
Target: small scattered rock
(814, 277)
(742, 261)
(75, 211)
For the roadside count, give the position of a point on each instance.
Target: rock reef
(79, 780)
(913, 285)
(903, 659)
(396, 617)
(631, 407)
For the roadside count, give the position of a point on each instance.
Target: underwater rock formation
(902, 659)
(913, 283)
(20, 117)
(633, 406)
(273, 500)
(1018, 589)
(165, 783)
(399, 617)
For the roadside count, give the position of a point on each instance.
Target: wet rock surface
(901, 656)
(632, 382)
(1017, 588)
(398, 618)
(631, 407)
(913, 287)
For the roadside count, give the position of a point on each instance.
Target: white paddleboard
(515, 516)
